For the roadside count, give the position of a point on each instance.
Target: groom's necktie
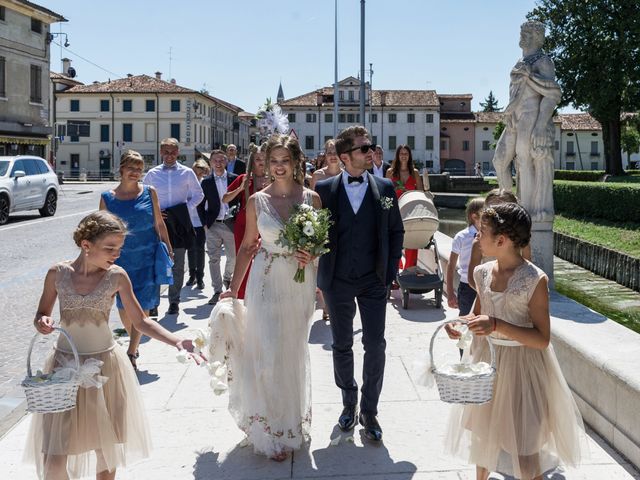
(355, 179)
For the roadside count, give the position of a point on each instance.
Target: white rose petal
(220, 372)
(182, 356)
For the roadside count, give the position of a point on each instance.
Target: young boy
(460, 255)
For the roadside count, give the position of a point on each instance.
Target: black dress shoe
(173, 309)
(191, 280)
(347, 419)
(371, 426)
(200, 285)
(213, 300)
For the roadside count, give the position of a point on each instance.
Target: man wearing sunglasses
(365, 242)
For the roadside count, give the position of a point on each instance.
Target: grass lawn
(623, 237)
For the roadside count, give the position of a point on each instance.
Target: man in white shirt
(234, 164)
(218, 223)
(380, 167)
(175, 185)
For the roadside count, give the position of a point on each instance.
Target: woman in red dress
(246, 185)
(405, 177)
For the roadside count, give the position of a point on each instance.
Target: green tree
(490, 103)
(630, 140)
(497, 131)
(595, 48)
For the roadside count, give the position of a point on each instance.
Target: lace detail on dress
(100, 299)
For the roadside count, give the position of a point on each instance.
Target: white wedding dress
(269, 374)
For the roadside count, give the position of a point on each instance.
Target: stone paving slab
(195, 437)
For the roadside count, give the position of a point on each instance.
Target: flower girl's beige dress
(109, 420)
(532, 424)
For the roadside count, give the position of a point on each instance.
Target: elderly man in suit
(218, 222)
(234, 164)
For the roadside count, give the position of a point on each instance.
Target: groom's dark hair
(346, 138)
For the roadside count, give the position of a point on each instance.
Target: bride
(270, 392)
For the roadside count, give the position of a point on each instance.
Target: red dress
(410, 256)
(241, 223)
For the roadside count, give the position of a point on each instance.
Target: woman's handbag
(163, 265)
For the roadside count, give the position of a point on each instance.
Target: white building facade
(393, 118)
(97, 123)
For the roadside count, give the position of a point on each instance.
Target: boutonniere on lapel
(386, 202)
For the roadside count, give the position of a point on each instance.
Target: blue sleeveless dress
(139, 250)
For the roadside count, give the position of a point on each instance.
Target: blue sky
(241, 49)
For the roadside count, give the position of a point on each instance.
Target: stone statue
(528, 137)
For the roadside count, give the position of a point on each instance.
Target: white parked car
(27, 183)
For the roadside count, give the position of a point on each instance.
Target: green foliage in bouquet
(306, 229)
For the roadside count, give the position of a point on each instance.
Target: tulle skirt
(106, 430)
(531, 426)
(270, 389)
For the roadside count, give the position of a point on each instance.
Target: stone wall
(607, 263)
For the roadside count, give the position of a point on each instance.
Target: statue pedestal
(542, 247)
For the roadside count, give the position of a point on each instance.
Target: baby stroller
(420, 220)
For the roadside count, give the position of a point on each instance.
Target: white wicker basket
(51, 396)
(474, 389)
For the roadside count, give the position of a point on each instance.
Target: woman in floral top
(405, 177)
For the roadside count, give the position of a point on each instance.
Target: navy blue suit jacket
(389, 223)
(212, 199)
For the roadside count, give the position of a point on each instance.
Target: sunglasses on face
(363, 148)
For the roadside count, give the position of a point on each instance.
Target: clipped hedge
(610, 201)
(579, 175)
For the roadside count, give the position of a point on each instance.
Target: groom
(365, 243)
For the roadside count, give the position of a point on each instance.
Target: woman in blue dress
(138, 206)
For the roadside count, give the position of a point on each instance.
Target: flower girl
(109, 419)
(532, 424)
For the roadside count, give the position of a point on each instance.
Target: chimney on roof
(173, 80)
(66, 63)
(129, 75)
(159, 75)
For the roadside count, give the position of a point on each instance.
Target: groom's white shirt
(355, 191)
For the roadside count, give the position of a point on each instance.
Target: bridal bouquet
(306, 229)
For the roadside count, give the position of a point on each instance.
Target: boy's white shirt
(461, 246)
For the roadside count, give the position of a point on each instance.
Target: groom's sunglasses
(363, 148)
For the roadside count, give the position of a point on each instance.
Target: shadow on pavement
(240, 462)
(144, 377)
(421, 309)
(345, 460)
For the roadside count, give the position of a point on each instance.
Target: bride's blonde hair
(297, 157)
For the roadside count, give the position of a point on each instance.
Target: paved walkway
(195, 437)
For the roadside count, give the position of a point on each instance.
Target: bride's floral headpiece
(271, 119)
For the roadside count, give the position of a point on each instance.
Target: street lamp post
(362, 83)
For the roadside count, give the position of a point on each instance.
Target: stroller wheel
(405, 299)
(439, 298)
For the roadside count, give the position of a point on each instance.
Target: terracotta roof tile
(489, 117)
(393, 98)
(143, 84)
(578, 121)
(60, 76)
(133, 84)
